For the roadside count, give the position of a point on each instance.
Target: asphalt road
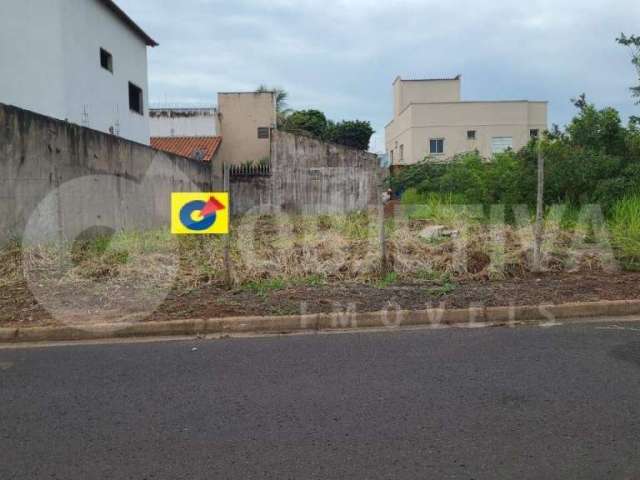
(491, 403)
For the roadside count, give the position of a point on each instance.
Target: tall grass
(625, 230)
(448, 209)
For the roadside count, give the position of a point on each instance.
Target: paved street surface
(525, 403)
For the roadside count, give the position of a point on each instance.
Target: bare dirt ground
(19, 307)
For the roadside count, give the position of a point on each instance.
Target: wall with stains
(311, 176)
(64, 177)
(59, 179)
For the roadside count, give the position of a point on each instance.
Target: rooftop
(457, 77)
(111, 5)
(196, 148)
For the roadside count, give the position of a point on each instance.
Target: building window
(471, 134)
(401, 153)
(136, 99)
(534, 132)
(263, 132)
(501, 144)
(436, 146)
(391, 155)
(106, 60)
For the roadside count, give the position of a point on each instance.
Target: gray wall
(63, 179)
(311, 176)
(87, 177)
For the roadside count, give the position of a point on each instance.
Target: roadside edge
(508, 315)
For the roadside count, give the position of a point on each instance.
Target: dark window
(136, 99)
(391, 152)
(436, 145)
(106, 60)
(534, 132)
(471, 134)
(263, 132)
(401, 152)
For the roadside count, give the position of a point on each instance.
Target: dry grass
(323, 248)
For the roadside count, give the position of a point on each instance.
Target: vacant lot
(291, 264)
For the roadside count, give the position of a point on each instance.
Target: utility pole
(539, 227)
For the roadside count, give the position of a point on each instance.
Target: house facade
(245, 121)
(431, 120)
(84, 61)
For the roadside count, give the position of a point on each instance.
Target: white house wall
(56, 67)
(31, 56)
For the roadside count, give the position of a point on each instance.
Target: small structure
(203, 149)
(84, 61)
(245, 121)
(183, 122)
(431, 120)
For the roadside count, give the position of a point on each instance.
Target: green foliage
(306, 122)
(625, 230)
(633, 42)
(314, 123)
(353, 133)
(596, 160)
(599, 130)
(389, 279)
(442, 290)
(263, 287)
(446, 209)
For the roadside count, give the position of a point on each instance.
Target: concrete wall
(82, 177)
(239, 117)
(50, 64)
(311, 176)
(64, 179)
(183, 122)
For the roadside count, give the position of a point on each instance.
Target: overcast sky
(342, 56)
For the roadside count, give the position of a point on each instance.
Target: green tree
(306, 122)
(633, 42)
(596, 129)
(352, 133)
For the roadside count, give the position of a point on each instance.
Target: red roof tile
(196, 148)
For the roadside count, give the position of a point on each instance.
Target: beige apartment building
(244, 122)
(431, 120)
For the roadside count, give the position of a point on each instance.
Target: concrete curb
(323, 322)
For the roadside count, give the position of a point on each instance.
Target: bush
(596, 161)
(355, 133)
(306, 122)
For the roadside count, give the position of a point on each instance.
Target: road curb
(322, 322)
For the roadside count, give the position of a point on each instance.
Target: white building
(432, 121)
(84, 61)
(183, 122)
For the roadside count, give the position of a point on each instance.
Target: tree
(306, 122)
(282, 108)
(352, 133)
(633, 42)
(314, 123)
(599, 130)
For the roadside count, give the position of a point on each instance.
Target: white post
(227, 243)
(539, 228)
